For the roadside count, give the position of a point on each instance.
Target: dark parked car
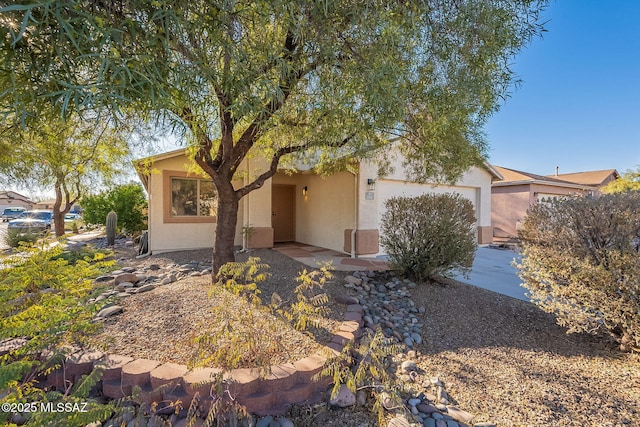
(11, 213)
(32, 221)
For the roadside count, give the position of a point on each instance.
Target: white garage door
(388, 189)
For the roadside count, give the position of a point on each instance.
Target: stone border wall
(284, 386)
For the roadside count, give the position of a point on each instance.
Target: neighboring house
(339, 212)
(11, 199)
(597, 179)
(45, 204)
(512, 197)
(48, 205)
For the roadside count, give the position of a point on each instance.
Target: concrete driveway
(492, 270)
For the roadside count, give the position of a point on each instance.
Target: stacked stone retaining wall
(270, 394)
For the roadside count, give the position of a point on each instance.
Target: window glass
(192, 197)
(184, 197)
(207, 199)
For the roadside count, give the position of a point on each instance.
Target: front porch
(314, 255)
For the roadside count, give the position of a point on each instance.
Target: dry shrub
(430, 234)
(580, 261)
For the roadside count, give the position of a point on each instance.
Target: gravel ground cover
(162, 324)
(508, 362)
(501, 359)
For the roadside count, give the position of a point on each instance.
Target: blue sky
(578, 106)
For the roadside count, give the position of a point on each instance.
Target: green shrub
(580, 262)
(128, 201)
(429, 235)
(15, 238)
(43, 301)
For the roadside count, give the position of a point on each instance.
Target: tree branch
(205, 144)
(273, 168)
(277, 100)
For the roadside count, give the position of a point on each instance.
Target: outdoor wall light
(304, 191)
(371, 184)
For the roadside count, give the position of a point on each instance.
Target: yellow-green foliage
(629, 181)
(43, 295)
(246, 330)
(311, 302)
(240, 333)
(15, 238)
(363, 367)
(241, 278)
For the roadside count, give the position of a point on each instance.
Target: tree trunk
(225, 226)
(58, 211)
(58, 214)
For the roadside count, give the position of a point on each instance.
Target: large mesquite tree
(325, 79)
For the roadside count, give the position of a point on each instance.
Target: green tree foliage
(128, 201)
(429, 235)
(630, 181)
(328, 81)
(43, 305)
(65, 155)
(580, 262)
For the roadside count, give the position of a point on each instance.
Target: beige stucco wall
(165, 237)
(321, 217)
(326, 211)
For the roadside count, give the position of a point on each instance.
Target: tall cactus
(112, 222)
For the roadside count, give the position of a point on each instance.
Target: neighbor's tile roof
(595, 178)
(512, 175)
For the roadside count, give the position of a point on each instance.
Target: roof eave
(541, 182)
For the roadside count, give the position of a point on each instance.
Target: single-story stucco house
(340, 212)
(11, 199)
(512, 196)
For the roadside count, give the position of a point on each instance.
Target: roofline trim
(550, 183)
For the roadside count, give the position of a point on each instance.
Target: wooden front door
(283, 212)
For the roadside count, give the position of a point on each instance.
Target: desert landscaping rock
(265, 421)
(379, 300)
(110, 311)
(146, 288)
(388, 303)
(353, 280)
(104, 279)
(125, 277)
(399, 421)
(344, 398)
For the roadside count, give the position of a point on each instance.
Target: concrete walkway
(313, 255)
(492, 270)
